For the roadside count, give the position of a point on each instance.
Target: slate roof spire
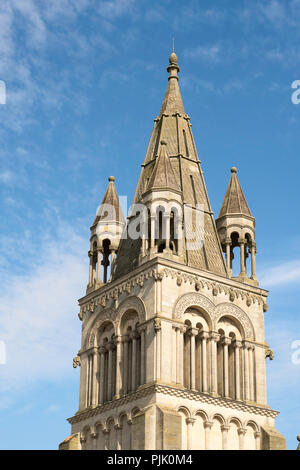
(172, 102)
(234, 201)
(176, 165)
(110, 198)
(163, 176)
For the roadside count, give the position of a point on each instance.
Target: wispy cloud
(285, 273)
(206, 53)
(111, 9)
(38, 315)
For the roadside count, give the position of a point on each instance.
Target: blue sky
(84, 80)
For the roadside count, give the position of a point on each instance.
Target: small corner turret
(106, 233)
(236, 229)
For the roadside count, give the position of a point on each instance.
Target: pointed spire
(172, 102)
(234, 200)
(163, 176)
(110, 198)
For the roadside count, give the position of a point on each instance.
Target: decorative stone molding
(226, 309)
(114, 316)
(192, 300)
(215, 287)
(132, 303)
(112, 291)
(171, 391)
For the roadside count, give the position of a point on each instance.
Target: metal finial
(173, 48)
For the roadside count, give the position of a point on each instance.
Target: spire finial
(173, 48)
(173, 68)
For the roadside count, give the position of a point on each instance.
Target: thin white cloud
(285, 273)
(206, 53)
(6, 177)
(111, 9)
(38, 314)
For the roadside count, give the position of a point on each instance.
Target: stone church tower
(173, 348)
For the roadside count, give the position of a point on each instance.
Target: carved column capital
(208, 424)
(225, 428)
(237, 344)
(225, 341)
(247, 345)
(242, 431)
(214, 336)
(204, 334)
(192, 331)
(190, 420)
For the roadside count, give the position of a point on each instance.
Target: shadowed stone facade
(173, 348)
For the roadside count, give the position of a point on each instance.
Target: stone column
(214, 338)
(242, 242)
(94, 271)
(91, 268)
(106, 438)
(125, 364)
(158, 280)
(90, 380)
(237, 346)
(133, 362)
(83, 380)
(190, 423)
(246, 371)
(257, 436)
(193, 332)
(251, 373)
(241, 433)
(119, 435)
(144, 232)
(225, 429)
(95, 381)
(98, 265)
(110, 370)
(180, 236)
(167, 225)
(207, 426)
(94, 436)
(101, 374)
(178, 352)
(253, 261)
(118, 366)
(181, 354)
(226, 342)
(112, 263)
(143, 357)
(204, 335)
(228, 255)
(157, 328)
(152, 241)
